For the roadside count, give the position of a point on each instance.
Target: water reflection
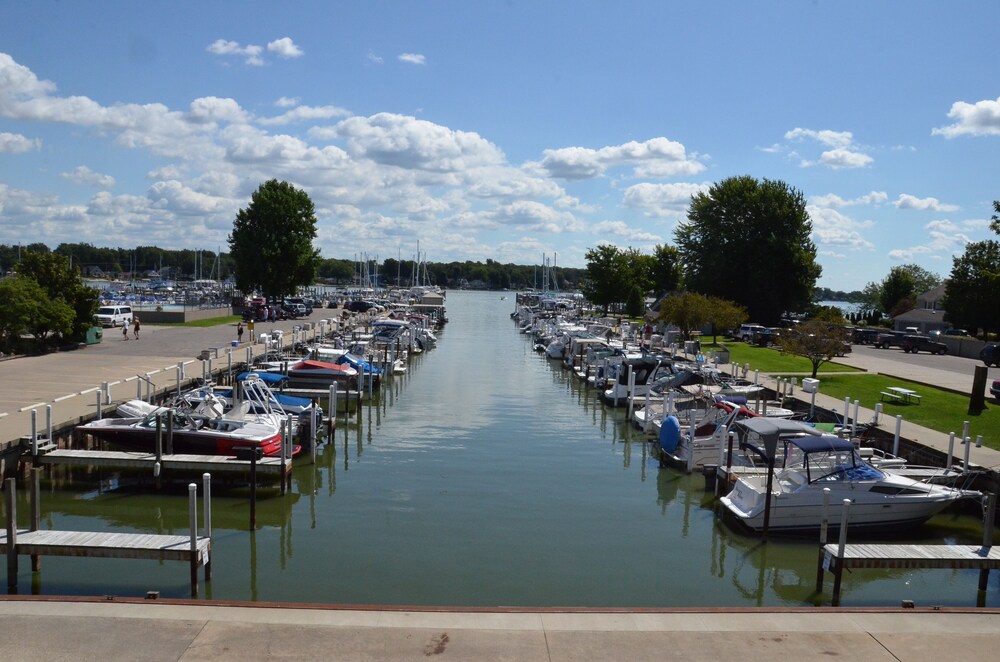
(485, 475)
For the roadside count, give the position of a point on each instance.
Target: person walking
(135, 327)
(125, 331)
(239, 332)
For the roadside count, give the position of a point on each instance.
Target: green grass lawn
(211, 321)
(938, 410)
(770, 360)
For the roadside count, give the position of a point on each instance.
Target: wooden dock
(14, 541)
(175, 462)
(837, 557)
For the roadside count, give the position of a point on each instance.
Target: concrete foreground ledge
(43, 628)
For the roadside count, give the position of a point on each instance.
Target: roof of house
(921, 315)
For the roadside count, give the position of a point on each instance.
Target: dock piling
(838, 572)
(11, 497)
(991, 513)
(823, 527)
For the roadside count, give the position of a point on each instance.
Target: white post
(843, 528)
(965, 431)
(99, 412)
(193, 516)
(951, 450)
(179, 369)
(48, 424)
(313, 424)
(895, 438)
(968, 447)
(854, 420)
(206, 502)
(878, 412)
(670, 402)
(825, 523)
(690, 458)
(812, 404)
(647, 417)
(847, 411)
(107, 391)
(34, 433)
(979, 441)
(138, 389)
(723, 437)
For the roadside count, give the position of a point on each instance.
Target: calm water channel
(486, 476)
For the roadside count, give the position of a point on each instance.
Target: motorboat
(816, 460)
(310, 373)
(203, 430)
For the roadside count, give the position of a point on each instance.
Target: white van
(114, 316)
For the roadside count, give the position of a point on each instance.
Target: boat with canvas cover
(814, 461)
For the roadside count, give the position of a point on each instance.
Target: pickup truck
(889, 339)
(915, 344)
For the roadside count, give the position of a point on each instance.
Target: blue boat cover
(670, 434)
(269, 378)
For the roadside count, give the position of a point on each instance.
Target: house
(927, 316)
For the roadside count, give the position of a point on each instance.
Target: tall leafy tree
(666, 270)
(724, 314)
(749, 240)
(63, 286)
(688, 310)
(271, 241)
(603, 284)
(972, 294)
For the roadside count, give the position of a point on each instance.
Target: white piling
(951, 451)
(968, 447)
(690, 458)
(843, 528)
(847, 411)
(895, 438)
(965, 430)
(878, 412)
(854, 420)
(34, 434)
(48, 424)
(193, 516)
(98, 394)
(206, 502)
(979, 441)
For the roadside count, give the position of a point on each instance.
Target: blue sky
(501, 130)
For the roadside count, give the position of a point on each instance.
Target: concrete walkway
(34, 629)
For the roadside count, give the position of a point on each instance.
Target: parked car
(114, 316)
(912, 343)
(954, 332)
(306, 303)
(995, 389)
(990, 355)
(764, 337)
(292, 310)
(889, 339)
(863, 336)
(746, 332)
(359, 306)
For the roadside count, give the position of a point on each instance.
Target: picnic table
(900, 394)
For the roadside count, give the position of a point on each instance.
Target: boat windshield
(831, 465)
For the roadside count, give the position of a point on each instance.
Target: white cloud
(15, 143)
(301, 113)
(214, 109)
(87, 177)
(287, 102)
(831, 228)
(407, 142)
(979, 119)
(375, 59)
(845, 158)
(656, 157)
(845, 153)
(284, 48)
(412, 58)
(907, 201)
(622, 229)
(833, 200)
(250, 52)
(662, 200)
(830, 138)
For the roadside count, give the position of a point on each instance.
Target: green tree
(603, 284)
(19, 298)
(689, 311)
(972, 294)
(750, 240)
(897, 292)
(271, 241)
(666, 271)
(817, 340)
(64, 285)
(725, 314)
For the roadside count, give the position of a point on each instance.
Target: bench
(895, 397)
(914, 397)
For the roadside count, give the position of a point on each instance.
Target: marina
(485, 475)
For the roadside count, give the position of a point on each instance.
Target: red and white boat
(203, 430)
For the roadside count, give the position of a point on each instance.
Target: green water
(486, 476)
